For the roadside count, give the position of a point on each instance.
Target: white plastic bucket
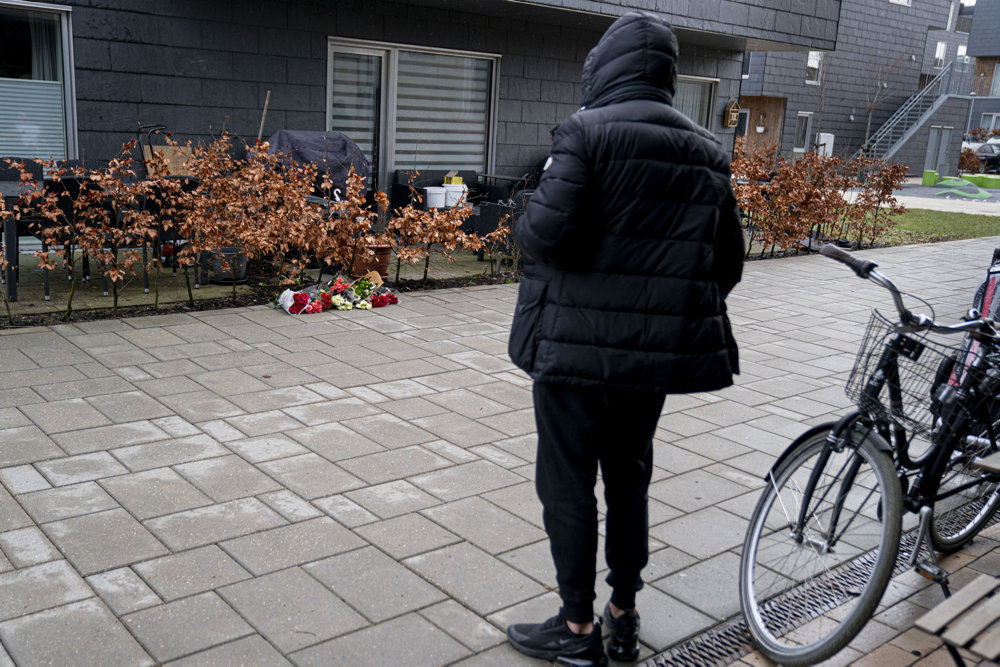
(453, 193)
(434, 197)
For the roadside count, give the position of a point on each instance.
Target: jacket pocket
(524, 336)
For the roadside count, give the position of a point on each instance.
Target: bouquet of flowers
(364, 293)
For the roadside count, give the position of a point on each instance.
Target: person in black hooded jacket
(631, 243)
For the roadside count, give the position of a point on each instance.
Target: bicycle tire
(784, 581)
(959, 518)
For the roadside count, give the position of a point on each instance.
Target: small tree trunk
(10, 316)
(398, 262)
(187, 280)
(69, 297)
(427, 262)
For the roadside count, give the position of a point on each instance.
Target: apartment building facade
(417, 83)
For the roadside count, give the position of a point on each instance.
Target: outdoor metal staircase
(908, 116)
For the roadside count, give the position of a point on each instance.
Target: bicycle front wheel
(807, 591)
(968, 498)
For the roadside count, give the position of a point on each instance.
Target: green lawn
(923, 226)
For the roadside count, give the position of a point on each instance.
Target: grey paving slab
(408, 430)
(214, 523)
(195, 571)
(106, 437)
(23, 479)
(252, 650)
(310, 475)
(11, 514)
(466, 480)
(82, 468)
(185, 626)
(63, 503)
(291, 609)
(123, 591)
(27, 546)
(330, 411)
(345, 511)
(334, 442)
(392, 498)
(92, 387)
(198, 406)
(495, 586)
(484, 524)
(39, 587)
(82, 633)
(290, 506)
(463, 625)
(394, 464)
(102, 541)
(26, 444)
(406, 535)
(226, 478)
(409, 639)
(388, 430)
(458, 429)
(375, 584)
(160, 454)
(299, 543)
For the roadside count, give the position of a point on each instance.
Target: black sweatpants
(579, 427)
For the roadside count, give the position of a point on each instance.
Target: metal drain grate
(726, 643)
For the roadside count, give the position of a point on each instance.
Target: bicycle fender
(828, 426)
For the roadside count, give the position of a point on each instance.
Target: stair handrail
(889, 125)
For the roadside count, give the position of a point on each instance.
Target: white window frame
(940, 54)
(995, 87)
(808, 115)
(389, 52)
(714, 83)
(69, 72)
(905, 3)
(819, 69)
(990, 121)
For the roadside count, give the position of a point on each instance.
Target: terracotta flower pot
(380, 262)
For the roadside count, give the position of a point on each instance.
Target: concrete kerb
(244, 485)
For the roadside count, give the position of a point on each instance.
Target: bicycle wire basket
(925, 367)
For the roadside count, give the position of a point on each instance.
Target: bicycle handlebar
(910, 321)
(862, 267)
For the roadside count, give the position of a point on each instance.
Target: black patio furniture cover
(333, 152)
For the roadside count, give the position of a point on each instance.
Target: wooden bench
(970, 619)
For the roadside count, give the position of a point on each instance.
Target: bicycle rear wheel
(804, 597)
(959, 517)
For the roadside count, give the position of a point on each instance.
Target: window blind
(694, 100)
(32, 122)
(356, 94)
(442, 111)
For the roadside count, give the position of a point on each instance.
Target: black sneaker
(554, 641)
(624, 642)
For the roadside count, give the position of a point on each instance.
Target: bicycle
(825, 534)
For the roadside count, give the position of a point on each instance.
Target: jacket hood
(636, 58)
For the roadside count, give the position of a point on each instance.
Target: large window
(990, 121)
(37, 102)
(995, 88)
(693, 98)
(814, 67)
(803, 128)
(939, 53)
(413, 108)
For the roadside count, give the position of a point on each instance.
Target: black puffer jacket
(632, 239)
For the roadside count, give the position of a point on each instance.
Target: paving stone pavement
(247, 486)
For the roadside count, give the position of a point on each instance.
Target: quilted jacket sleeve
(729, 246)
(550, 229)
